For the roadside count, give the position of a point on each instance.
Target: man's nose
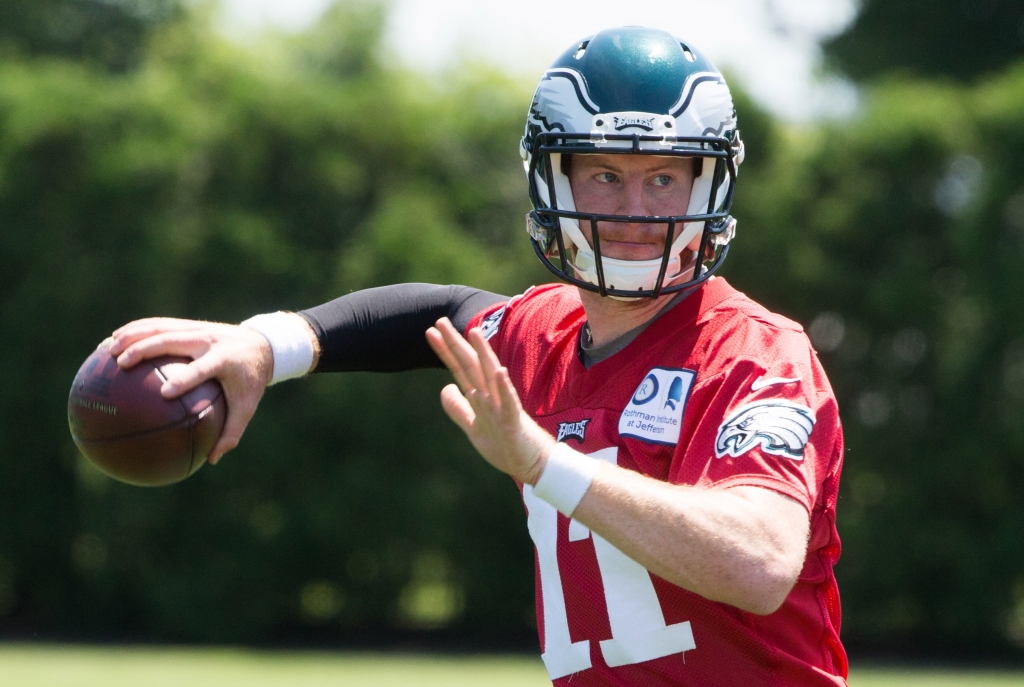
(633, 201)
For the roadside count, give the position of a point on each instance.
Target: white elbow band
(289, 340)
(566, 478)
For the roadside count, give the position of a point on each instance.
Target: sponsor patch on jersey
(489, 327)
(572, 430)
(655, 411)
(779, 427)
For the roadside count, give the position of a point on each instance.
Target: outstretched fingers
(464, 355)
(457, 355)
(511, 409)
(489, 364)
(438, 345)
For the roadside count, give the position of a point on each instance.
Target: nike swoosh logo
(761, 382)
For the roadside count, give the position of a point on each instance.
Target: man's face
(631, 185)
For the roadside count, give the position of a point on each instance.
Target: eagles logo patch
(489, 327)
(572, 430)
(779, 427)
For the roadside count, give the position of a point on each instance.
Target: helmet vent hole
(582, 49)
(688, 53)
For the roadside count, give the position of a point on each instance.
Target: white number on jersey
(639, 632)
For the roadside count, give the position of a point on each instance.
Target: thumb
(234, 428)
(457, 407)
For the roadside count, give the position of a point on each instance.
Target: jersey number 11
(639, 632)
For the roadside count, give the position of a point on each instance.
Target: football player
(678, 446)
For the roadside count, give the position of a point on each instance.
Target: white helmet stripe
(688, 88)
(578, 84)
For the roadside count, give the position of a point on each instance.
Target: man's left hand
(486, 406)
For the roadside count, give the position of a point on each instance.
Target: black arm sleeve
(382, 329)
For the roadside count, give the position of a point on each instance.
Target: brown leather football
(122, 424)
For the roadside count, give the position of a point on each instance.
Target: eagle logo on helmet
(779, 427)
(561, 102)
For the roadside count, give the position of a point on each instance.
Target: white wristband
(289, 340)
(566, 478)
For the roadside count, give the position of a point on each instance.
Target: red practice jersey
(716, 393)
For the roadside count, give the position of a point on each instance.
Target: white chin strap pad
(700, 194)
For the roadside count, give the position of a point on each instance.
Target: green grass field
(63, 666)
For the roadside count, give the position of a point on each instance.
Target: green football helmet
(632, 91)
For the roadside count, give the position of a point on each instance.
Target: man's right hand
(239, 358)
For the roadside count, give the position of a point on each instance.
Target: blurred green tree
(897, 239)
(107, 33)
(959, 39)
(215, 182)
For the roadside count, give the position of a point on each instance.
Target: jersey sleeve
(768, 421)
(490, 321)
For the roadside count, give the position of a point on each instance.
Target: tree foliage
(898, 240)
(213, 181)
(210, 183)
(106, 33)
(959, 39)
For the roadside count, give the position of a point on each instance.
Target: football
(122, 424)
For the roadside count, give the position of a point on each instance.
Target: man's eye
(662, 180)
(607, 177)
